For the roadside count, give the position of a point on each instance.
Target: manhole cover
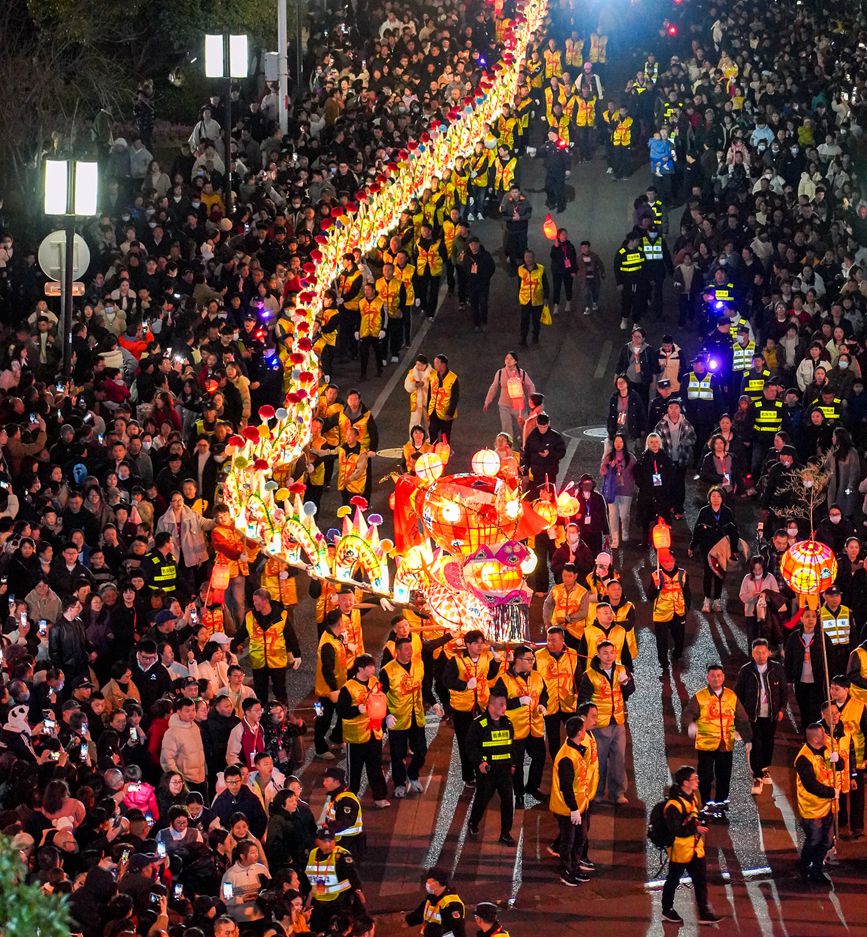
(594, 432)
(597, 432)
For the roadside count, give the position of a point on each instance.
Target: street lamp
(70, 190)
(226, 56)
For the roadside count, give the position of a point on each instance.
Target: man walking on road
(516, 210)
(489, 746)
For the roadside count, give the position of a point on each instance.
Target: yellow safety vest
(857, 692)
(550, 101)
(832, 411)
(531, 289)
(742, 356)
(370, 311)
(591, 759)
(768, 416)
(557, 803)
(575, 53)
(429, 257)
(450, 232)
(331, 815)
(507, 127)
(716, 720)
(658, 213)
(754, 384)
(415, 640)
(405, 693)
(347, 463)
(441, 395)
(597, 48)
(652, 250)
(320, 686)
(504, 174)
(623, 132)
(685, 848)
(345, 283)
(479, 164)
(467, 701)
(526, 720)
(594, 636)
(434, 907)
(406, 273)
(566, 604)
(621, 614)
(267, 645)
(699, 388)
(811, 807)
(357, 730)
(670, 601)
(585, 112)
(837, 626)
(389, 292)
(559, 677)
(608, 697)
(553, 63)
(325, 411)
(850, 716)
(322, 873)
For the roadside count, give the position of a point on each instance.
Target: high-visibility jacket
(406, 273)
(321, 688)
(851, 715)
(507, 128)
(767, 416)
(480, 163)
(434, 907)
(723, 293)
(523, 106)
(281, 586)
(651, 71)
(716, 720)
(267, 645)
(442, 390)
(535, 69)
(810, 806)
(608, 697)
(670, 600)
(347, 464)
(476, 700)
(630, 262)
(567, 603)
(322, 874)
(591, 759)
(331, 815)
(699, 388)
(404, 695)
(346, 283)
(429, 258)
(594, 636)
(325, 317)
(389, 291)
(621, 615)
(658, 214)
(585, 112)
(553, 63)
(574, 53)
(526, 720)
(557, 804)
(833, 411)
(162, 572)
(652, 248)
(372, 317)
(559, 676)
(450, 232)
(686, 848)
(754, 383)
(531, 290)
(496, 742)
(504, 173)
(358, 729)
(861, 657)
(551, 98)
(598, 43)
(742, 356)
(837, 625)
(622, 133)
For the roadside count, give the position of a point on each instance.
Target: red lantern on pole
(549, 228)
(661, 536)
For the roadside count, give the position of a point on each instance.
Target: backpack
(658, 831)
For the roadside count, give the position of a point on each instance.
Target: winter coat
(655, 498)
(686, 443)
(709, 529)
(747, 689)
(844, 477)
(182, 750)
(544, 466)
(634, 415)
(67, 647)
(192, 545)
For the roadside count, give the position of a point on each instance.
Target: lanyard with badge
(656, 476)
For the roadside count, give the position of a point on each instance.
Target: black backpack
(658, 831)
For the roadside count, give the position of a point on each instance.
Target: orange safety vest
(371, 317)
(212, 619)
(566, 604)
(321, 687)
(389, 293)
(357, 731)
(472, 701)
(405, 699)
(347, 465)
(716, 720)
(559, 677)
(430, 257)
(526, 720)
(608, 697)
(557, 803)
(267, 645)
(531, 292)
(670, 601)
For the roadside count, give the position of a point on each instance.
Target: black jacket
(542, 466)
(747, 689)
(648, 359)
(649, 495)
(795, 655)
(560, 253)
(710, 529)
(478, 281)
(634, 415)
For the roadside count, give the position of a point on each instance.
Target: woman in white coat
(187, 530)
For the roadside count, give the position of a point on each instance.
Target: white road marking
(571, 449)
(604, 355)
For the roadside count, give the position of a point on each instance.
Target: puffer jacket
(182, 750)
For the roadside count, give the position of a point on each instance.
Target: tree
(25, 910)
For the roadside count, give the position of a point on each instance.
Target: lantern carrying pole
(827, 699)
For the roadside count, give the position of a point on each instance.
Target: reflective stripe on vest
(631, 261)
(831, 411)
(322, 873)
(652, 249)
(769, 416)
(742, 356)
(331, 816)
(837, 626)
(699, 388)
(433, 908)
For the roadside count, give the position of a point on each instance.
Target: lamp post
(226, 57)
(70, 191)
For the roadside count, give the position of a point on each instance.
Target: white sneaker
(415, 787)
(471, 217)
(381, 804)
(705, 606)
(394, 359)
(399, 792)
(595, 307)
(609, 171)
(717, 605)
(586, 310)
(624, 325)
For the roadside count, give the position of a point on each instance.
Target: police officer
(701, 403)
(489, 746)
(442, 911)
(629, 274)
(334, 883)
(753, 381)
(830, 405)
(766, 417)
(343, 815)
(657, 261)
(659, 404)
(160, 567)
(742, 353)
(487, 918)
(836, 622)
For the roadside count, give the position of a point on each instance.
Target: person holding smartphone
(242, 882)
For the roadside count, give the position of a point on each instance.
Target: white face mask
(843, 364)
(792, 533)
(834, 518)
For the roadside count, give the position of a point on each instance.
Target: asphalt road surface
(751, 863)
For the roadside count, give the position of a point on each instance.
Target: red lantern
(377, 708)
(443, 450)
(661, 535)
(549, 228)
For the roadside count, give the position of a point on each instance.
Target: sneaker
(624, 324)
(324, 756)
(568, 879)
(552, 851)
(708, 917)
(399, 792)
(672, 916)
(705, 606)
(757, 786)
(506, 839)
(394, 359)
(381, 804)
(415, 787)
(609, 171)
(717, 605)
(585, 865)
(586, 310)
(541, 796)
(596, 307)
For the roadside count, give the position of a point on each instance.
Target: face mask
(146, 444)
(793, 532)
(834, 518)
(196, 204)
(843, 364)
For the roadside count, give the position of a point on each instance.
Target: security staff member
(533, 291)
(569, 801)
(712, 715)
(468, 677)
(487, 918)
(330, 678)
(660, 221)
(429, 270)
(629, 274)
(621, 142)
(657, 263)
(160, 567)
(566, 606)
(754, 379)
(830, 405)
(671, 597)
(766, 417)
(349, 285)
(334, 883)
(818, 787)
(559, 668)
(442, 908)
(272, 641)
(719, 295)
(836, 622)
(743, 351)
(489, 747)
(362, 736)
(371, 329)
(701, 403)
(526, 708)
(443, 398)
(343, 815)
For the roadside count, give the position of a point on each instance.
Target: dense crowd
(149, 747)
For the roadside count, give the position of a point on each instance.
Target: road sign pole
(66, 305)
